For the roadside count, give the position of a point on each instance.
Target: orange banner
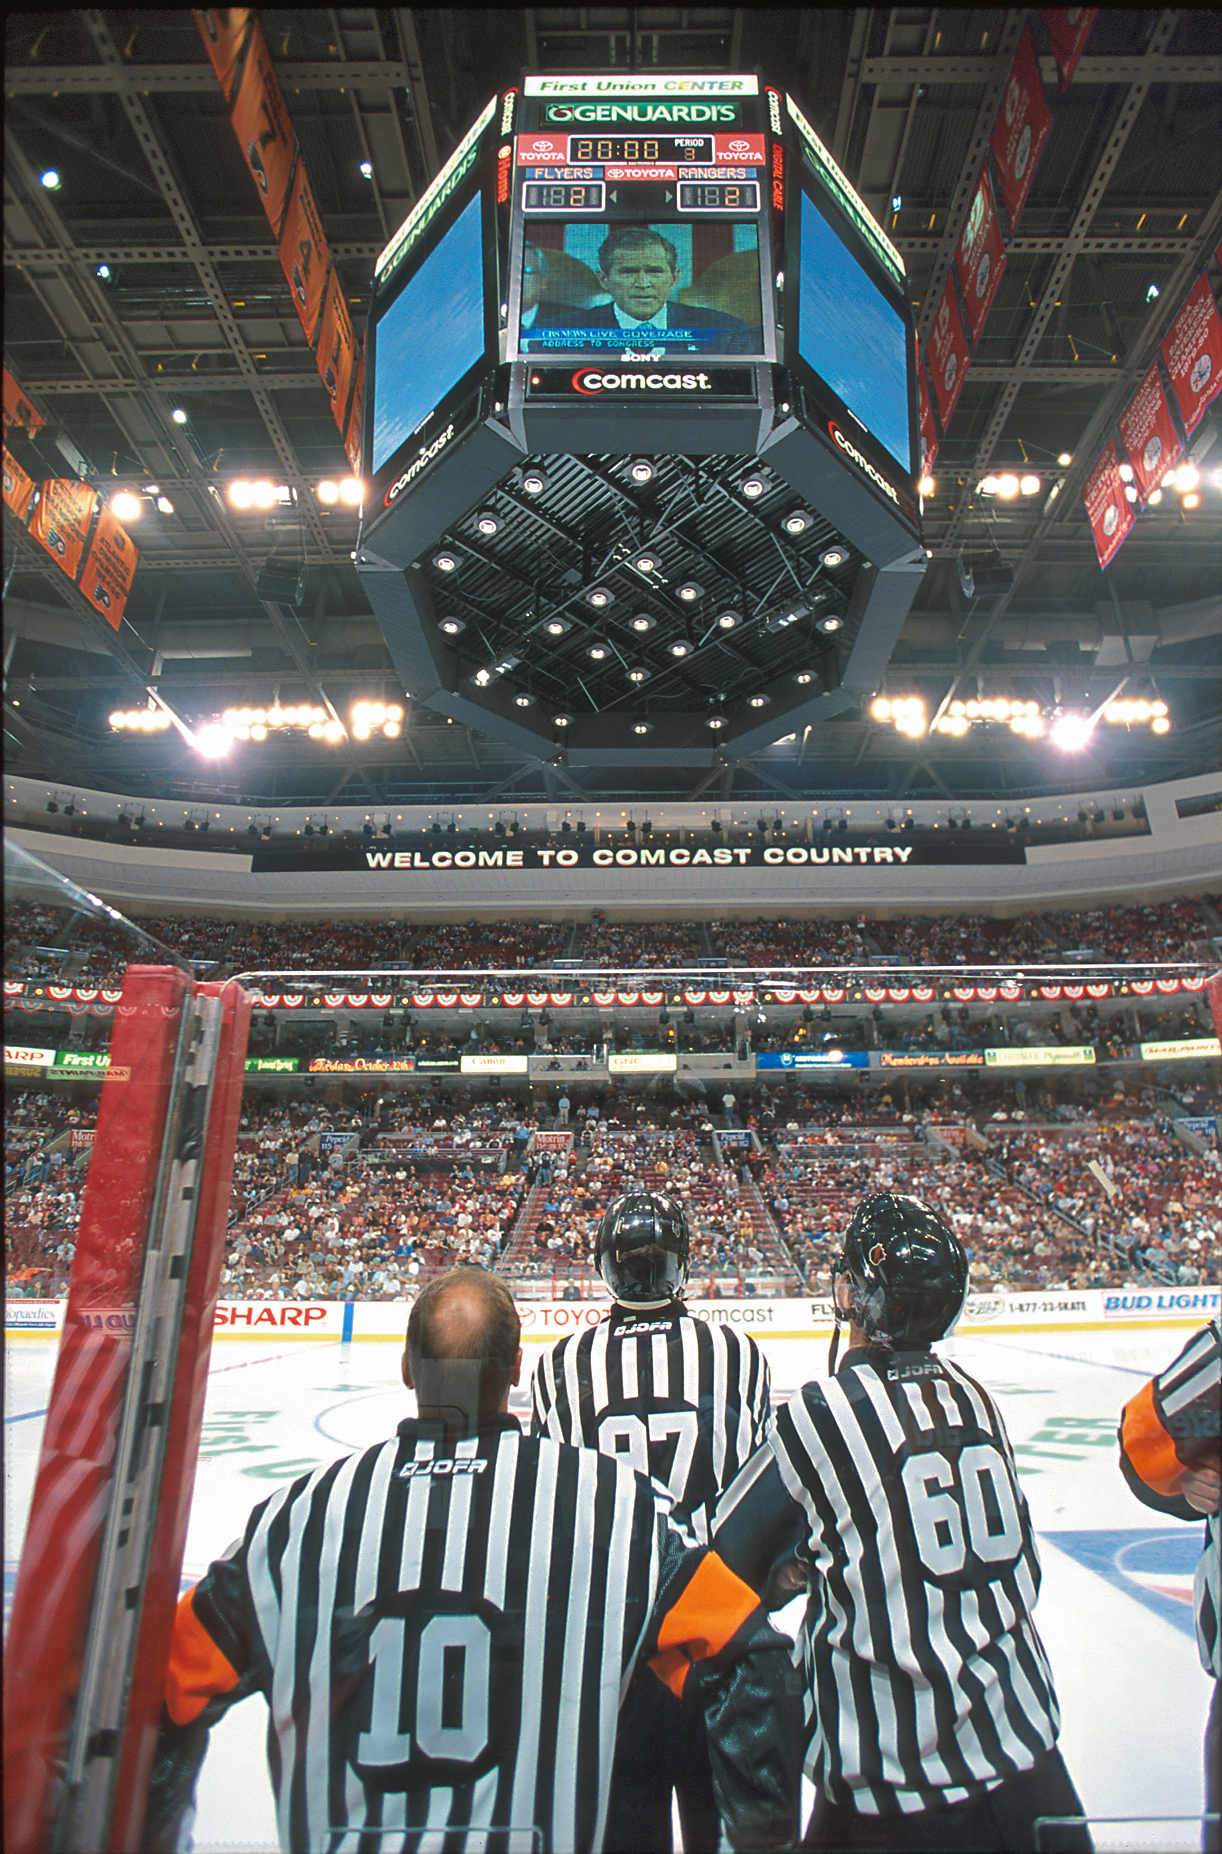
(222, 28)
(110, 569)
(336, 352)
(261, 124)
(19, 410)
(304, 251)
(18, 488)
(61, 518)
(353, 435)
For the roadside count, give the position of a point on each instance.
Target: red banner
(261, 124)
(1021, 129)
(61, 520)
(222, 28)
(946, 354)
(352, 437)
(18, 488)
(981, 256)
(1192, 354)
(1149, 436)
(1107, 507)
(304, 252)
(19, 410)
(336, 352)
(926, 430)
(110, 569)
(1068, 30)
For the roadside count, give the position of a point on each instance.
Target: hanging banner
(110, 569)
(1022, 127)
(261, 124)
(20, 411)
(1192, 354)
(946, 355)
(1107, 507)
(304, 252)
(222, 28)
(18, 488)
(1149, 435)
(1068, 30)
(61, 519)
(336, 352)
(352, 437)
(928, 434)
(981, 256)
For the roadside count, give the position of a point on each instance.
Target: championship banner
(1149, 436)
(110, 569)
(352, 437)
(1192, 355)
(1023, 123)
(946, 355)
(19, 411)
(1107, 507)
(336, 352)
(1068, 30)
(18, 488)
(981, 256)
(61, 518)
(222, 28)
(928, 433)
(261, 124)
(304, 252)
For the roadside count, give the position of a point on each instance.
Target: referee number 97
(961, 1503)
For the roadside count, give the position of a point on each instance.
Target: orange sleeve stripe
(713, 1606)
(671, 1669)
(1150, 1450)
(197, 1669)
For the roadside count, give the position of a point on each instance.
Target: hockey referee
(443, 1626)
(686, 1402)
(930, 1712)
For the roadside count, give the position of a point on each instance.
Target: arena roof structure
(149, 321)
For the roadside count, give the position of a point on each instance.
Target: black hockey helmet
(643, 1248)
(906, 1270)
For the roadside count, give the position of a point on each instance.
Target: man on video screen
(639, 269)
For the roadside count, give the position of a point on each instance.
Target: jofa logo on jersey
(411, 1469)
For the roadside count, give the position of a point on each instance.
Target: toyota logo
(738, 145)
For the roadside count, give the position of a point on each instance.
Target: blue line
(347, 1332)
(25, 1416)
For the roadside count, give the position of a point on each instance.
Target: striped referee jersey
(925, 1679)
(443, 1634)
(679, 1398)
(1172, 1424)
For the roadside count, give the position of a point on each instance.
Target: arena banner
(494, 1065)
(981, 257)
(272, 1065)
(363, 1065)
(1148, 435)
(261, 123)
(1107, 507)
(110, 568)
(61, 519)
(20, 412)
(642, 1062)
(222, 29)
(812, 1059)
(946, 354)
(1022, 127)
(18, 487)
(1192, 354)
(929, 1059)
(425, 860)
(1068, 29)
(1190, 1048)
(1056, 1055)
(27, 1056)
(279, 1319)
(304, 252)
(928, 431)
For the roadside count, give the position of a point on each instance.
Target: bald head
(463, 1345)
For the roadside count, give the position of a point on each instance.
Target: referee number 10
(957, 1504)
(453, 1683)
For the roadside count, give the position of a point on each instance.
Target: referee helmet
(643, 1248)
(906, 1271)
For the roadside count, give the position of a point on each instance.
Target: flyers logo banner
(304, 252)
(110, 569)
(981, 256)
(261, 124)
(1192, 355)
(18, 488)
(18, 409)
(946, 355)
(1022, 127)
(1107, 507)
(1149, 435)
(61, 519)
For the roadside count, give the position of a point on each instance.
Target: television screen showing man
(638, 270)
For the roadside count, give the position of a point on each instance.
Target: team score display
(647, 148)
(962, 1502)
(563, 196)
(431, 1696)
(719, 196)
(630, 1438)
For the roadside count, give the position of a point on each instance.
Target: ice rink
(1115, 1610)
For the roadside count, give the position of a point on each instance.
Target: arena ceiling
(146, 284)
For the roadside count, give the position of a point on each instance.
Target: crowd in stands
(626, 945)
(1168, 930)
(788, 943)
(961, 940)
(490, 943)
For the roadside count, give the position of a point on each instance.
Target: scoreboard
(635, 264)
